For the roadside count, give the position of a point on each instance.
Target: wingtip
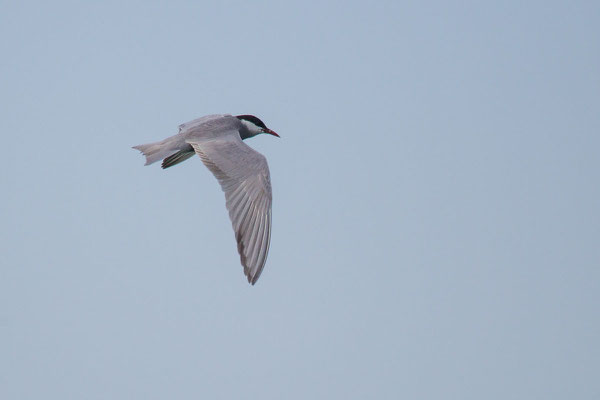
(251, 278)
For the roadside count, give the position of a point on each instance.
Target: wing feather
(244, 177)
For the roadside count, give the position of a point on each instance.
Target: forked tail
(156, 151)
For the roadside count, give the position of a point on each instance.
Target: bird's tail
(156, 151)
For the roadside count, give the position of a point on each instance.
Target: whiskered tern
(242, 172)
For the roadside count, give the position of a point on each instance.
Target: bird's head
(254, 126)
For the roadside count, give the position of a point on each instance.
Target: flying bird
(242, 172)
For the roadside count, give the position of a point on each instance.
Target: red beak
(270, 132)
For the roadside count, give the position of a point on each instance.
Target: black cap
(256, 121)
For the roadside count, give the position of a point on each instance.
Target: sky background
(436, 201)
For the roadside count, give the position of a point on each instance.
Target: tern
(242, 172)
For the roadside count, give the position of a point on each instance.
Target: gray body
(242, 172)
(204, 128)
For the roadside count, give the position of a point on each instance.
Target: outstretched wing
(244, 177)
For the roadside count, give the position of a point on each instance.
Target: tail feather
(155, 151)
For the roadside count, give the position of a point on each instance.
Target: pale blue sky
(436, 211)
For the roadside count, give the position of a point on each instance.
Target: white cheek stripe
(251, 127)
